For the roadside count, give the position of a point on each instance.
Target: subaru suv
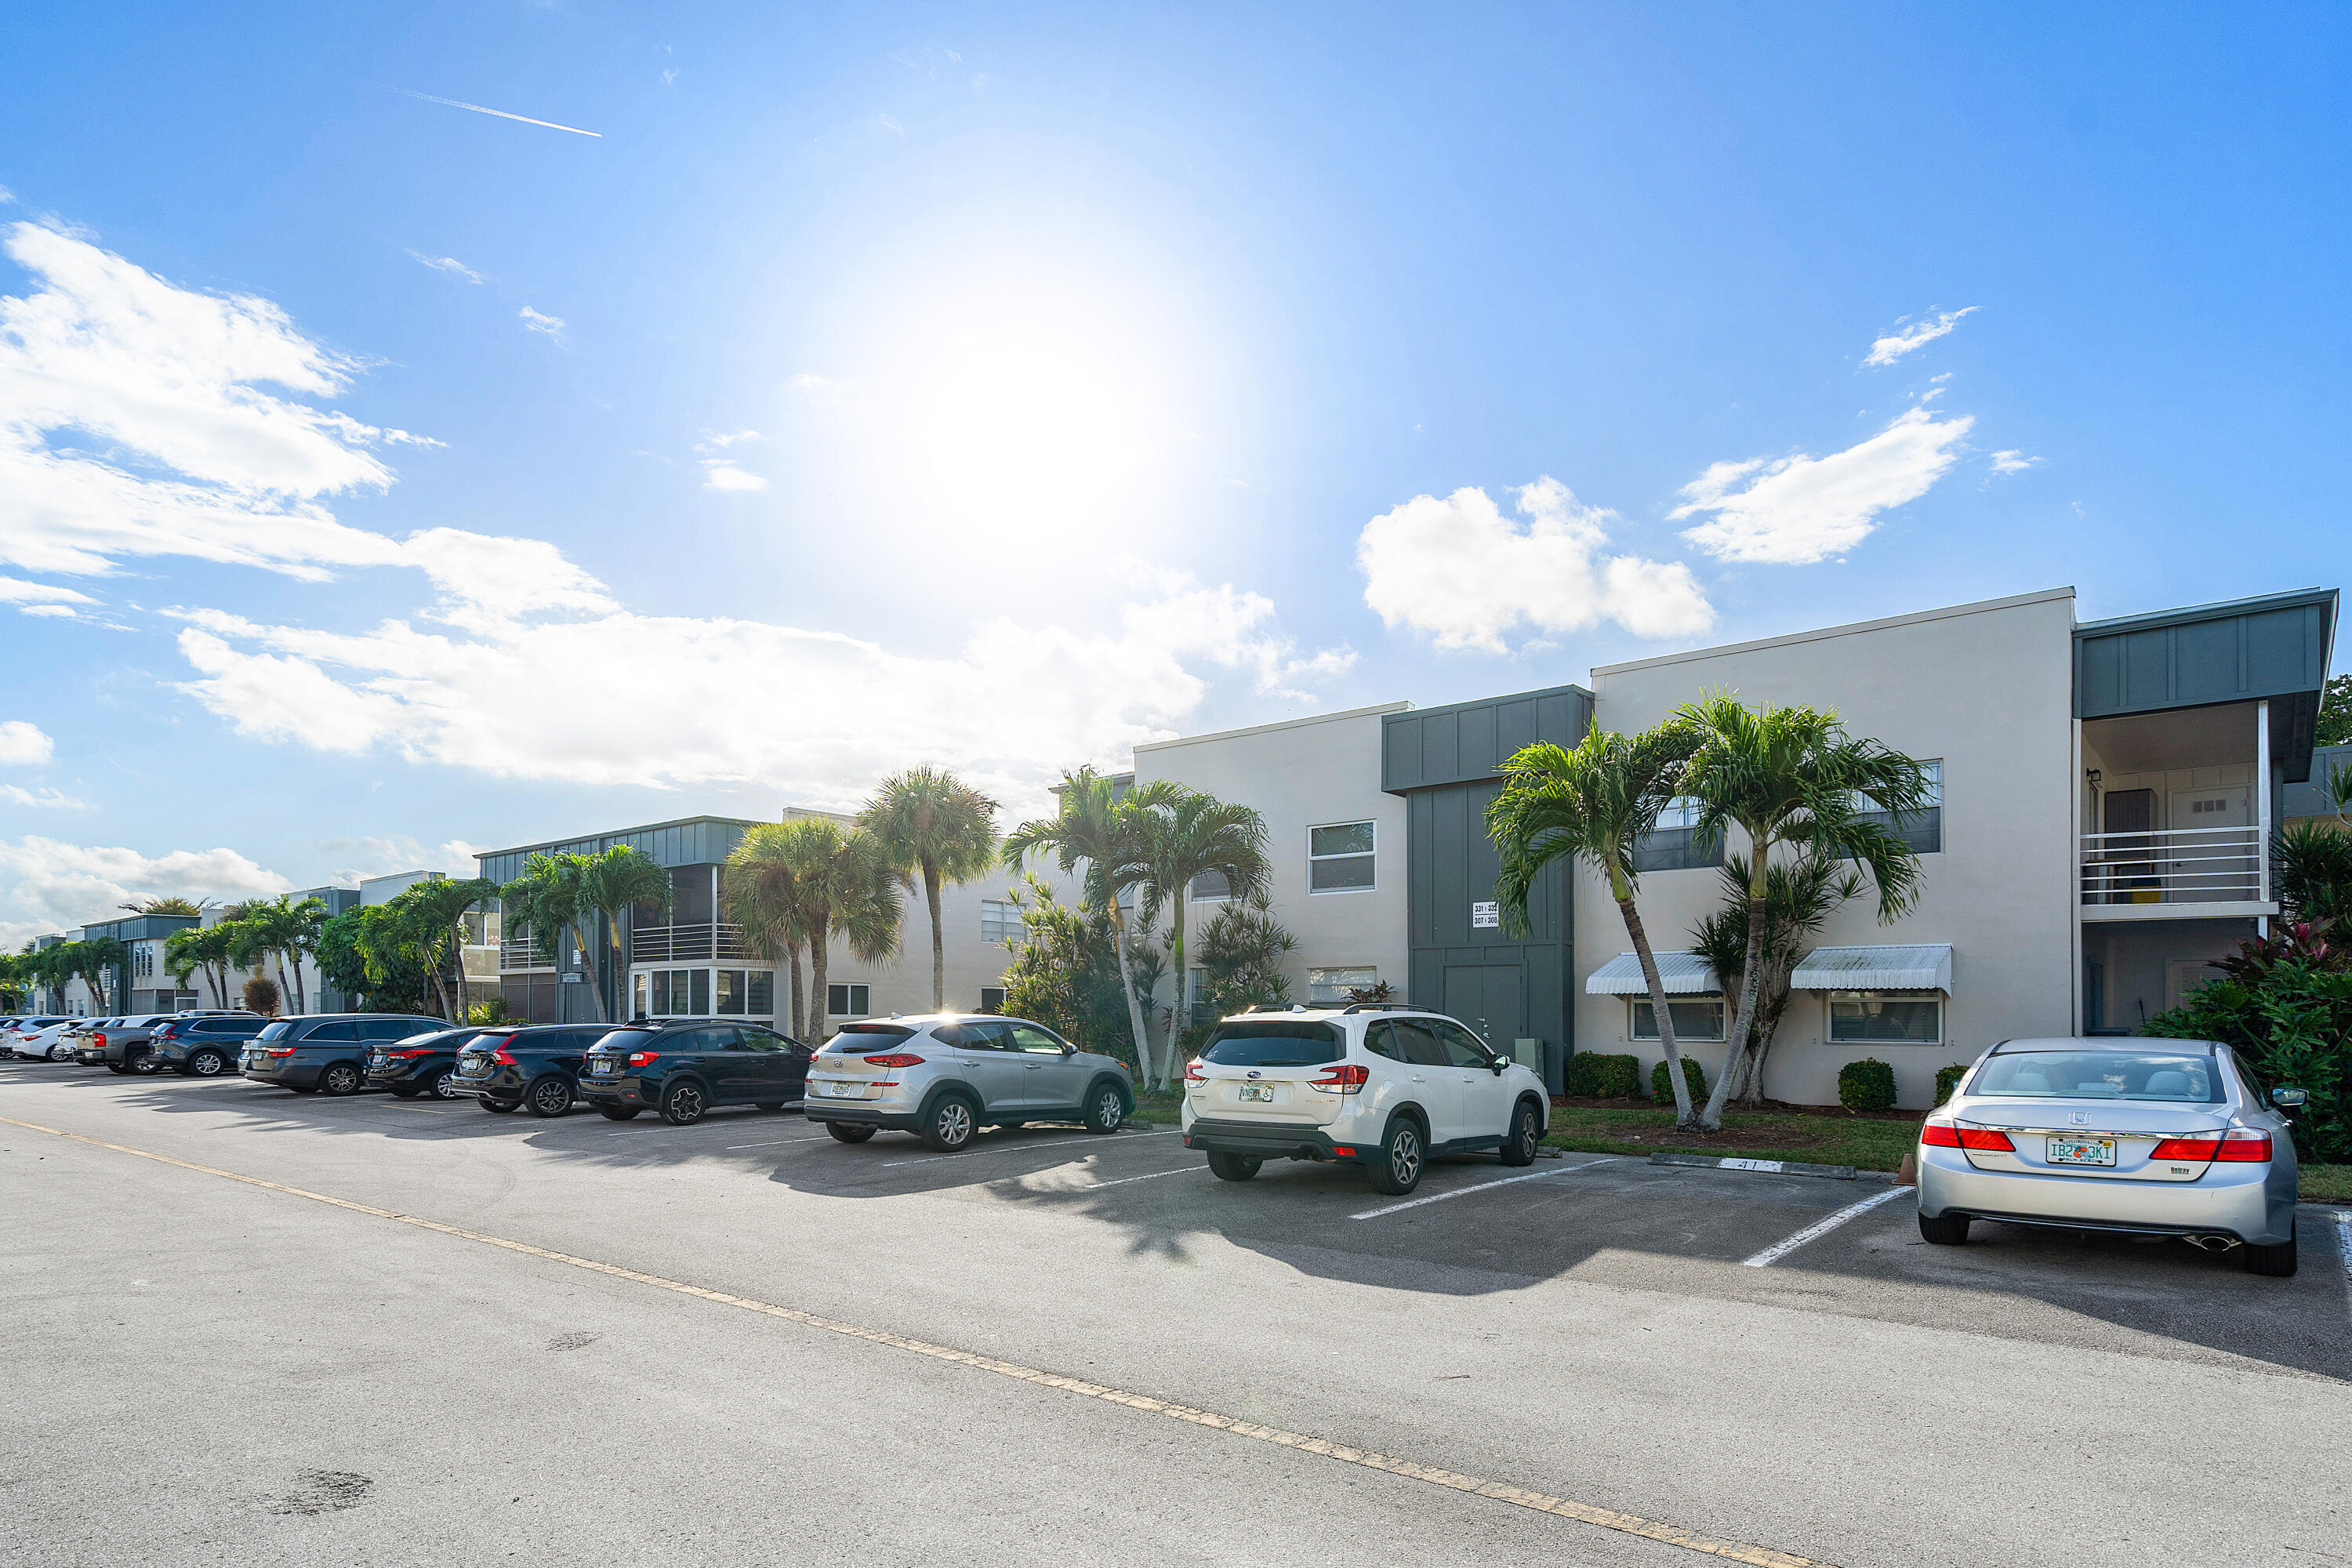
(325, 1053)
(683, 1067)
(538, 1065)
(1372, 1084)
(946, 1075)
(204, 1045)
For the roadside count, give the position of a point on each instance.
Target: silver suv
(1373, 1084)
(945, 1075)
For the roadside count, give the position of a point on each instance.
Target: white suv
(1373, 1084)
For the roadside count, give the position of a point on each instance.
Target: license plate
(472, 1066)
(2081, 1151)
(1257, 1091)
(841, 1090)
(375, 1058)
(600, 1069)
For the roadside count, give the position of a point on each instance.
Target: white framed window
(848, 1001)
(1339, 856)
(1329, 987)
(1695, 1018)
(676, 992)
(1886, 1018)
(1000, 922)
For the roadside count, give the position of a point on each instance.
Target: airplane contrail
(501, 114)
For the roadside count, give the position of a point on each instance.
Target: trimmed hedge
(1590, 1073)
(1948, 1080)
(1661, 1086)
(1866, 1085)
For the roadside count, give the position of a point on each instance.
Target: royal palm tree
(1187, 834)
(1096, 830)
(549, 899)
(842, 885)
(933, 825)
(761, 888)
(1592, 804)
(1792, 777)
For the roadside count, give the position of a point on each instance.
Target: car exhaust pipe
(2212, 1243)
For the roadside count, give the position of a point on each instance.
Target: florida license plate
(1256, 1092)
(2081, 1151)
(375, 1058)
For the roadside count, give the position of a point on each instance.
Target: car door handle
(1033, 1067)
(1418, 1078)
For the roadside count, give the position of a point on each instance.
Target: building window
(1000, 921)
(762, 994)
(991, 998)
(847, 1001)
(731, 995)
(1340, 858)
(1696, 1018)
(680, 993)
(1886, 1018)
(1674, 844)
(1330, 987)
(1210, 887)
(1923, 829)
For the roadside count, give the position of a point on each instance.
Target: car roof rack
(1381, 1007)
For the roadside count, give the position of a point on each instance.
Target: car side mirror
(2288, 1098)
(1499, 1064)
(1068, 1049)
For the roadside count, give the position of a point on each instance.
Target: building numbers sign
(1485, 916)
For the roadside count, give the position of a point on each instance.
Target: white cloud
(46, 885)
(6, 197)
(718, 474)
(2013, 462)
(16, 590)
(1793, 511)
(720, 441)
(553, 326)
(821, 390)
(1462, 571)
(41, 799)
(448, 264)
(62, 612)
(1917, 334)
(374, 856)
(23, 745)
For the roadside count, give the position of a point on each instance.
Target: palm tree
(549, 899)
(1095, 829)
(1792, 777)
(1799, 896)
(615, 880)
(1187, 834)
(1593, 804)
(205, 948)
(97, 958)
(843, 885)
(761, 886)
(440, 907)
(932, 823)
(172, 905)
(287, 930)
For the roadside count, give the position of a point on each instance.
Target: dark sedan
(682, 1068)
(421, 1064)
(538, 1066)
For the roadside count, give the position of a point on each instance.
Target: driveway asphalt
(209, 1371)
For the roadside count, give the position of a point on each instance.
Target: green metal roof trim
(2275, 647)
(1424, 748)
(684, 841)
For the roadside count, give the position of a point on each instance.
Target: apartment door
(1487, 997)
(2213, 852)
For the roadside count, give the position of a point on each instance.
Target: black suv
(204, 1046)
(326, 1053)
(685, 1066)
(537, 1065)
(421, 1064)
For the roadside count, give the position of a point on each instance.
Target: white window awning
(1684, 974)
(1924, 967)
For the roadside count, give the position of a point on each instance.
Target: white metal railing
(524, 951)
(2176, 866)
(703, 942)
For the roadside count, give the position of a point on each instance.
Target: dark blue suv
(536, 1066)
(683, 1067)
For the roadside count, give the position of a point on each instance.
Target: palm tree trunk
(799, 997)
(819, 939)
(1181, 1019)
(596, 971)
(458, 942)
(939, 944)
(1751, 977)
(1659, 1007)
(1134, 1004)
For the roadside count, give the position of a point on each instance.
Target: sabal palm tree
(761, 888)
(842, 885)
(613, 881)
(1592, 804)
(932, 825)
(1799, 896)
(550, 899)
(1187, 834)
(1793, 777)
(1096, 830)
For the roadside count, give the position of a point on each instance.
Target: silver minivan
(945, 1075)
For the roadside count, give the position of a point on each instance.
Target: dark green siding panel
(2274, 647)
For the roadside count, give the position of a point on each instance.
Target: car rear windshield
(842, 1042)
(2100, 1075)
(1274, 1043)
(626, 1040)
(276, 1031)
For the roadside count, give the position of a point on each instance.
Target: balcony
(702, 942)
(523, 950)
(2153, 875)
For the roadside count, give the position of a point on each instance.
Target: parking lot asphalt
(1590, 1329)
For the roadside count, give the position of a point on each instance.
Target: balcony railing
(2177, 866)
(700, 944)
(525, 952)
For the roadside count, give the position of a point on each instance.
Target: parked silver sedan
(2153, 1137)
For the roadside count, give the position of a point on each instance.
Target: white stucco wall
(1986, 688)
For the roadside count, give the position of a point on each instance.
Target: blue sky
(1001, 386)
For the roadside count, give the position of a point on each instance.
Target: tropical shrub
(1948, 1080)
(1866, 1085)
(1604, 1076)
(260, 995)
(2289, 1019)
(1065, 976)
(2314, 857)
(1663, 1087)
(494, 1011)
(1241, 950)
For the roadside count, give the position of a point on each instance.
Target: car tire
(951, 1125)
(207, 1064)
(1233, 1167)
(619, 1112)
(848, 1131)
(145, 1065)
(1526, 1136)
(120, 1069)
(549, 1097)
(1105, 1109)
(340, 1078)
(1944, 1230)
(1396, 1166)
(684, 1104)
(2274, 1262)
(444, 1085)
(60, 1054)
(497, 1107)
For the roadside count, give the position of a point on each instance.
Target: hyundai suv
(538, 1065)
(944, 1076)
(682, 1068)
(325, 1053)
(1371, 1084)
(204, 1045)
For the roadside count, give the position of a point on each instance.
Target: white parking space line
(1040, 1143)
(1481, 1187)
(1821, 1227)
(2344, 1244)
(1181, 1170)
(820, 1138)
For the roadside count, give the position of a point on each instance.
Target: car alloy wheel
(549, 1097)
(1395, 1169)
(144, 1063)
(60, 1054)
(683, 1106)
(207, 1064)
(444, 1085)
(1526, 1136)
(953, 1125)
(341, 1080)
(1109, 1112)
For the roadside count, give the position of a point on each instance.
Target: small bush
(1948, 1080)
(494, 1011)
(261, 996)
(1603, 1077)
(1661, 1086)
(1866, 1085)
